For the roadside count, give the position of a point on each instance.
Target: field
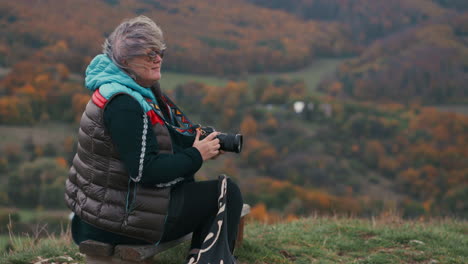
(311, 75)
(43, 133)
(4, 239)
(30, 224)
(462, 109)
(308, 240)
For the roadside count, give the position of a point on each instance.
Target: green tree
(37, 183)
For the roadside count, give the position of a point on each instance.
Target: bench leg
(240, 232)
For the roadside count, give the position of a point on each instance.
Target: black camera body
(228, 142)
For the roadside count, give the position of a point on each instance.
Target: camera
(228, 142)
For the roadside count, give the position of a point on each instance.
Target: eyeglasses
(154, 53)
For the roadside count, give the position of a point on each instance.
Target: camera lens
(238, 139)
(230, 142)
(227, 142)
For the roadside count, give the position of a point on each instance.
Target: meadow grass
(41, 133)
(4, 241)
(170, 80)
(51, 249)
(326, 240)
(29, 215)
(307, 240)
(312, 75)
(457, 108)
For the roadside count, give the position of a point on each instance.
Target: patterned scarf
(175, 117)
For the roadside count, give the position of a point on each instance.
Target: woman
(130, 184)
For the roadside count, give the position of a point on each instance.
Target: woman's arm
(123, 119)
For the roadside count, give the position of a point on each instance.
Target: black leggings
(197, 209)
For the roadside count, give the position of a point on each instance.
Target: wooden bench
(103, 253)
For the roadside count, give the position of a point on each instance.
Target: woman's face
(147, 67)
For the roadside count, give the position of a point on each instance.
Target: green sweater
(123, 120)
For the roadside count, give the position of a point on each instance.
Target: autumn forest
(385, 131)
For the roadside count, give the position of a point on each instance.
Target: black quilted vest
(98, 185)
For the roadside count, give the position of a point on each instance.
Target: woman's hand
(208, 147)
(219, 154)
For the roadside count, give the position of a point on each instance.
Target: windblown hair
(133, 37)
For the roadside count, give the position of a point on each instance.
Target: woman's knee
(233, 192)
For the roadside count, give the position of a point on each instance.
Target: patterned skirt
(215, 247)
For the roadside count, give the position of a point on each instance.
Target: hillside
(409, 50)
(335, 156)
(308, 240)
(361, 145)
(455, 4)
(251, 38)
(425, 64)
(253, 35)
(368, 20)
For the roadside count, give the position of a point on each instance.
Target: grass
(325, 240)
(310, 240)
(170, 80)
(28, 215)
(42, 133)
(52, 249)
(4, 241)
(457, 108)
(311, 75)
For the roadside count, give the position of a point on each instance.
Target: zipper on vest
(131, 196)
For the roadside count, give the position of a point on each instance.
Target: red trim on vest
(154, 118)
(101, 101)
(98, 99)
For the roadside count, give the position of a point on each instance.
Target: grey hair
(133, 37)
